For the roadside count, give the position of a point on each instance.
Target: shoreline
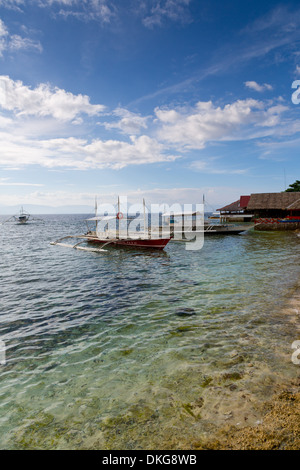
(279, 428)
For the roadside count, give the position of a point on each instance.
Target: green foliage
(293, 187)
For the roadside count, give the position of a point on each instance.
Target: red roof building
(284, 205)
(236, 207)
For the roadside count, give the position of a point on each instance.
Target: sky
(162, 99)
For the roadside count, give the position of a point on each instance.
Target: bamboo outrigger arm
(8, 220)
(77, 247)
(60, 239)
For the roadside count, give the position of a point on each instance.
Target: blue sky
(166, 99)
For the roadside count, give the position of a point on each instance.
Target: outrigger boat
(224, 229)
(152, 237)
(116, 237)
(22, 218)
(192, 223)
(189, 225)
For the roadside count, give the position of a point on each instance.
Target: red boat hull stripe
(158, 243)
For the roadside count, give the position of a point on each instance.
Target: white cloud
(260, 88)
(193, 127)
(44, 101)
(129, 123)
(183, 195)
(174, 10)
(48, 127)
(12, 4)
(15, 42)
(152, 13)
(20, 184)
(48, 198)
(281, 19)
(5, 122)
(101, 10)
(214, 197)
(3, 35)
(3, 29)
(38, 124)
(205, 166)
(79, 153)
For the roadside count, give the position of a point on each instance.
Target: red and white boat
(117, 236)
(140, 242)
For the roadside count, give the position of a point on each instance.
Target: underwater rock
(174, 300)
(185, 312)
(232, 387)
(234, 375)
(188, 282)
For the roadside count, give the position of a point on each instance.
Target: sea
(126, 349)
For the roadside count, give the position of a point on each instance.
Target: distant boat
(215, 215)
(22, 218)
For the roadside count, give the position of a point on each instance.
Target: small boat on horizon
(22, 218)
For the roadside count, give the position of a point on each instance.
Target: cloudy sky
(166, 99)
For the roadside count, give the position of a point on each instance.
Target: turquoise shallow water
(137, 350)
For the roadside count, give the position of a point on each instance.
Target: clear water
(139, 350)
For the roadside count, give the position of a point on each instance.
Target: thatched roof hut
(286, 201)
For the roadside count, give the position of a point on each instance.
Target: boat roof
(235, 216)
(105, 217)
(177, 214)
(112, 217)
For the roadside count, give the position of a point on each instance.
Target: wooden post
(118, 221)
(160, 225)
(144, 207)
(172, 221)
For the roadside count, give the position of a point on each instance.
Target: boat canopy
(105, 217)
(177, 214)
